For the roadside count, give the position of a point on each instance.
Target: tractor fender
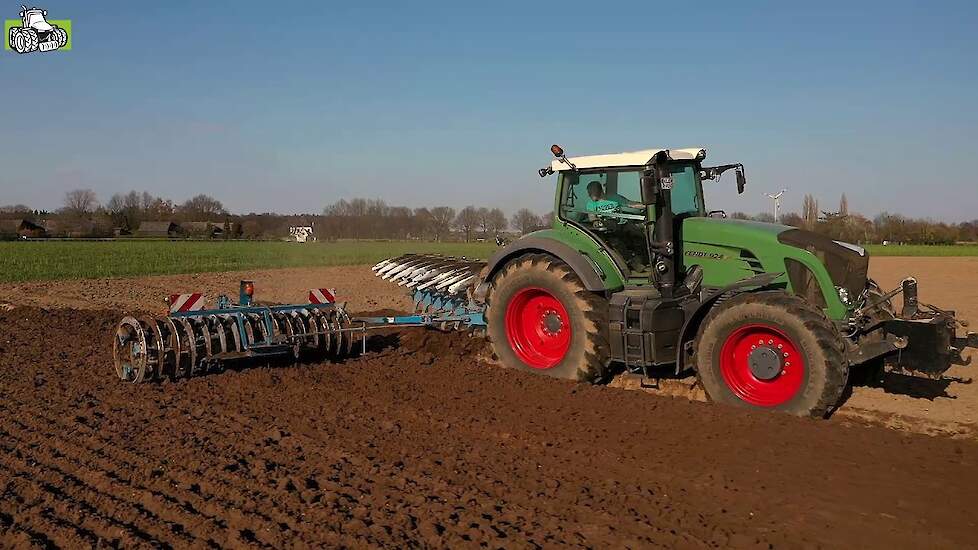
(710, 297)
(584, 268)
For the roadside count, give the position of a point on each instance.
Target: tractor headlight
(844, 295)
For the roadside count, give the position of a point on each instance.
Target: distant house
(22, 228)
(158, 229)
(302, 234)
(81, 229)
(210, 230)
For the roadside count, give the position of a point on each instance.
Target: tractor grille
(847, 268)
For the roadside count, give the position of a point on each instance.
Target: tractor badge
(35, 33)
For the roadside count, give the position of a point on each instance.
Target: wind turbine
(777, 203)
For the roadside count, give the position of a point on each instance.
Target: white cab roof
(634, 158)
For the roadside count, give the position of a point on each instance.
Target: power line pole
(777, 204)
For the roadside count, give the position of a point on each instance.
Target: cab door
(620, 230)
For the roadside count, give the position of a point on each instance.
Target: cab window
(614, 213)
(686, 195)
(618, 188)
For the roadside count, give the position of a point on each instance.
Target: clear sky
(275, 106)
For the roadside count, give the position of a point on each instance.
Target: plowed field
(420, 442)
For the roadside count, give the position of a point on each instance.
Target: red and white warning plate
(182, 303)
(322, 296)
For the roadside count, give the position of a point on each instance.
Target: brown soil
(946, 407)
(418, 444)
(355, 285)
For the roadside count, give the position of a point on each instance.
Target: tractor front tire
(60, 36)
(772, 350)
(541, 319)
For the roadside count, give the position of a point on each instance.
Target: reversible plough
(192, 340)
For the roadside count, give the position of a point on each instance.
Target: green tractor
(636, 271)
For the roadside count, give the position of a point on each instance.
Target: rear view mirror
(741, 180)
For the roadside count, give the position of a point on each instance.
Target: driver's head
(595, 191)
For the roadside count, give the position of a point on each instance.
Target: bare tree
(80, 202)
(525, 221)
(17, 209)
(483, 214)
(809, 212)
(21, 211)
(160, 210)
(129, 210)
(547, 219)
(441, 220)
(792, 219)
(423, 222)
(202, 206)
(467, 220)
(844, 206)
(497, 221)
(400, 223)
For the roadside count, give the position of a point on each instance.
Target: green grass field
(37, 260)
(923, 250)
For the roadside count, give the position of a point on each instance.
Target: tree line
(83, 215)
(375, 219)
(844, 225)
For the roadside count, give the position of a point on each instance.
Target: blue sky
(290, 106)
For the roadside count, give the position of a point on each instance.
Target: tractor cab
(34, 18)
(602, 195)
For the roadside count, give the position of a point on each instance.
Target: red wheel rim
(538, 328)
(758, 344)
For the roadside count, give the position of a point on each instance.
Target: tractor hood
(847, 265)
(734, 233)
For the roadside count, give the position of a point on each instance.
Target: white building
(302, 234)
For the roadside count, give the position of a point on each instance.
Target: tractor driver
(627, 238)
(606, 204)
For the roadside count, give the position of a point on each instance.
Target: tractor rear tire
(541, 319)
(30, 39)
(772, 350)
(17, 40)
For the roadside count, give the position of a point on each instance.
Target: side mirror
(557, 150)
(741, 180)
